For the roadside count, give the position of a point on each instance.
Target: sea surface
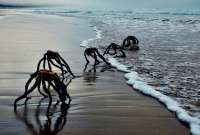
(169, 56)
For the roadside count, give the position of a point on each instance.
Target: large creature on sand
(47, 79)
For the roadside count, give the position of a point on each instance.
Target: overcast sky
(114, 4)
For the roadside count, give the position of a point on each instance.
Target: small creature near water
(114, 49)
(130, 43)
(94, 53)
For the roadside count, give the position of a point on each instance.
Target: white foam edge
(98, 32)
(137, 83)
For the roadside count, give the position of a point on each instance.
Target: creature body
(130, 43)
(94, 53)
(44, 78)
(54, 58)
(114, 49)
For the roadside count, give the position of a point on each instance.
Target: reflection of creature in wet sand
(114, 49)
(54, 58)
(90, 77)
(50, 126)
(94, 53)
(131, 43)
(47, 79)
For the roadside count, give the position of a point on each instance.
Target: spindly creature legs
(96, 61)
(61, 91)
(102, 57)
(40, 61)
(48, 93)
(86, 57)
(49, 65)
(66, 66)
(44, 95)
(28, 91)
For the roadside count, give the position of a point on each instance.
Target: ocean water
(169, 58)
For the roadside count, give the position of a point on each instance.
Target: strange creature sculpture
(37, 125)
(47, 79)
(94, 53)
(114, 49)
(54, 58)
(130, 43)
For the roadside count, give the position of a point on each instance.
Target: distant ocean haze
(110, 4)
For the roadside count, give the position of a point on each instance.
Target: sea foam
(85, 43)
(137, 83)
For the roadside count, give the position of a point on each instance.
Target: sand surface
(102, 103)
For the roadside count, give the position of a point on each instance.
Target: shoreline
(138, 84)
(89, 85)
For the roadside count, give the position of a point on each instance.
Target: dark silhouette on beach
(54, 58)
(94, 53)
(46, 79)
(114, 49)
(48, 127)
(95, 67)
(130, 43)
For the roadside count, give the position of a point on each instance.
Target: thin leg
(123, 53)
(67, 66)
(40, 90)
(96, 60)
(51, 61)
(61, 68)
(107, 50)
(49, 95)
(124, 44)
(28, 83)
(49, 65)
(38, 66)
(102, 58)
(44, 63)
(86, 57)
(85, 67)
(27, 92)
(128, 43)
(60, 88)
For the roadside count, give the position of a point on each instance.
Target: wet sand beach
(102, 103)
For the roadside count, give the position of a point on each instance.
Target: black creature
(54, 58)
(47, 79)
(131, 43)
(94, 53)
(114, 49)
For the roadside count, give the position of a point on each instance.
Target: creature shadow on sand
(94, 53)
(50, 126)
(114, 49)
(54, 59)
(130, 43)
(44, 78)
